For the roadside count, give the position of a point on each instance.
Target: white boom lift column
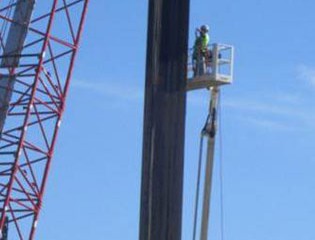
(216, 72)
(210, 132)
(11, 52)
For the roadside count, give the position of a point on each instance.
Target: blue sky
(268, 125)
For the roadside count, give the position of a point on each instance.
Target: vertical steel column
(164, 120)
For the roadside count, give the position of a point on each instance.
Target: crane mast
(37, 59)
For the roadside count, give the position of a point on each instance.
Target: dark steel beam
(164, 120)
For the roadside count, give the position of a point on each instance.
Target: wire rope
(222, 210)
(198, 186)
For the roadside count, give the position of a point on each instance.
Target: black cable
(221, 171)
(198, 185)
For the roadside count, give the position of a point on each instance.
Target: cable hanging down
(222, 209)
(198, 184)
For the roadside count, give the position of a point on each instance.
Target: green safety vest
(201, 45)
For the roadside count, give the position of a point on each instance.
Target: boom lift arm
(216, 72)
(210, 132)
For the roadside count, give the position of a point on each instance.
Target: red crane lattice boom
(34, 82)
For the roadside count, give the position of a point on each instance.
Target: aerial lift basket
(212, 71)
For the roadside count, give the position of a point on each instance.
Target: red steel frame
(41, 84)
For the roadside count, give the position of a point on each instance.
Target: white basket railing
(217, 62)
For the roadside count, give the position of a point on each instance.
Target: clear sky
(268, 125)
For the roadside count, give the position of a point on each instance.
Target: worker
(201, 52)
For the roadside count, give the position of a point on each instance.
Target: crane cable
(200, 158)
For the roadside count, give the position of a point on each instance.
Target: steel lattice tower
(34, 82)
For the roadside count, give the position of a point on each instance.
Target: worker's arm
(197, 32)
